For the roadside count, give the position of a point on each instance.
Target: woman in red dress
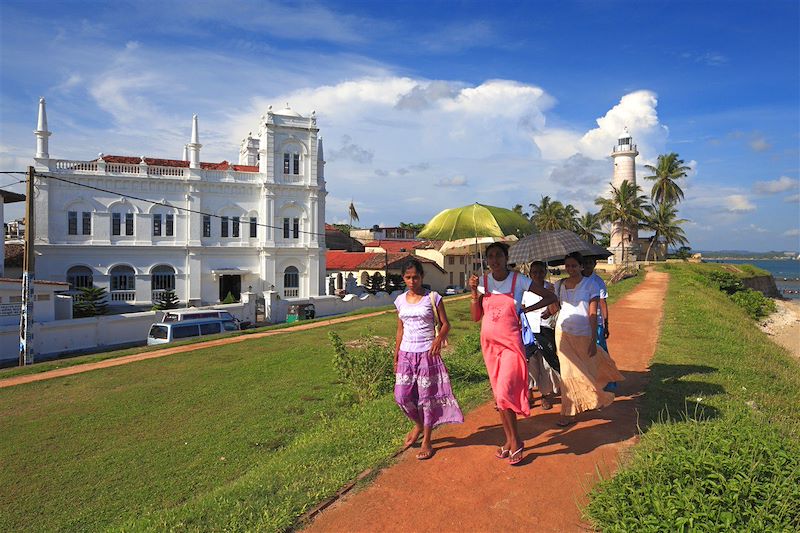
(496, 302)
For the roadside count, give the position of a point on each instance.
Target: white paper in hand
(534, 317)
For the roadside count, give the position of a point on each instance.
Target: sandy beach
(784, 325)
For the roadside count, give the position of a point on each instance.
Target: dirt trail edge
(464, 488)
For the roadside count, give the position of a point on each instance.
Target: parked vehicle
(453, 289)
(178, 315)
(166, 332)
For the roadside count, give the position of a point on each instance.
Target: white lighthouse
(624, 156)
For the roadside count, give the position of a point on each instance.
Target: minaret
(185, 152)
(42, 149)
(194, 146)
(320, 162)
(624, 156)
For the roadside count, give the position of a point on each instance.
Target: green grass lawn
(241, 437)
(721, 443)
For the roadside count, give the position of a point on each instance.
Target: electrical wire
(167, 204)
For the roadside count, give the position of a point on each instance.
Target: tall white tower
(194, 146)
(624, 156)
(42, 149)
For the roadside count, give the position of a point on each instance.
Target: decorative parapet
(143, 170)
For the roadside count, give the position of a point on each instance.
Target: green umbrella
(474, 221)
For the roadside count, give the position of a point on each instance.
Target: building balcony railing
(123, 296)
(67, 166)
(291, 293)
(292, 178)
(625, 148)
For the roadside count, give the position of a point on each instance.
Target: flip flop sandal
(424, 455)
(502, 453)
(546, 405)
(516, 457)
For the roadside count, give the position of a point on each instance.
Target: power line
(166, 204)
(14, 183)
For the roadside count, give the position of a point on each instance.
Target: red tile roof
(341, 260)
(223, 165)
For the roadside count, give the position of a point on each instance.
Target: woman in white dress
(585, 367)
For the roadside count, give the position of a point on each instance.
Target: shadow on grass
(666, 391)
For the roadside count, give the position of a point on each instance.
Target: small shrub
(726, 282)
(90, 301)
(464, 363)
(229, 299)
(366, 372)
(754, 303)
(166, 300)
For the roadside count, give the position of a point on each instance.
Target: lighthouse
(624, 157)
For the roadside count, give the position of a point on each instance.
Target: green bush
(90, 301)
(722, 475)
(756, 304)
(366, 372)
(725, 281)
(465, 363)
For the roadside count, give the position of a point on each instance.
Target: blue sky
(427, 105)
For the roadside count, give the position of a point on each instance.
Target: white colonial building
(139, 226)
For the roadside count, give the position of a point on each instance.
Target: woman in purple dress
(422, 385)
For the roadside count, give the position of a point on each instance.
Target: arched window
(291, 282)
(123, 278)
(79, 277)
(162, 277)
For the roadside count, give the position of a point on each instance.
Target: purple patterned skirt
(422, 390)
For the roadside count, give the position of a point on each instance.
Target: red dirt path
(464, 488)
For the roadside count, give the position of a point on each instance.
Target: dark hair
(412, 263)
(576, 256)
(539, 264)
(503, 247)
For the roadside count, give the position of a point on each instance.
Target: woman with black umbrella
(585, 367)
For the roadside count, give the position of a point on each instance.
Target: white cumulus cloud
(739, 203)
(782, 184)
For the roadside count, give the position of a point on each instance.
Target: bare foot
(412, 437)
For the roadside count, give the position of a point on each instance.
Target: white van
(178, 315)
(166, 332)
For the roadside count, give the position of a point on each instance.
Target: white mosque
(139, 226)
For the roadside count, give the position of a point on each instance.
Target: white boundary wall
(61, 336)
(276, 308)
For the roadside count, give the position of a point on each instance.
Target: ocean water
(786, 273)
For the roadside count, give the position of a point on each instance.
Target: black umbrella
(552, 246)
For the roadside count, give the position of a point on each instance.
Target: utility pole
(26, 313)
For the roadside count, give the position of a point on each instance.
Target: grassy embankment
(247, 436)
(54, 364)
(721, 444)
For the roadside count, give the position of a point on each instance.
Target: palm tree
(624, 209)
(551, 214)
(518, 210)
(569, 218)
(668, 169)
(589, 227)
(662, 219)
